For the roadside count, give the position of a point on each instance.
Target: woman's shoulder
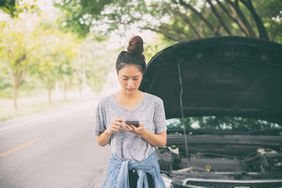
(105, 100)
(153, 98)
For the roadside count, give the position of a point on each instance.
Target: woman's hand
(115, 126)
(136, 130)
(119, 124)
(158, 140)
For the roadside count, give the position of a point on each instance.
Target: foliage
(180, 20)
(271, 13)
(95, 63)
(16, 7)
(158, 44)
(79, 14)
(17, 52)
(4, 77)
(35, 51)
(54, 56)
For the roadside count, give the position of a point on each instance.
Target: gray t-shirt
(126, 145)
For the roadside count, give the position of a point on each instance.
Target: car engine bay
(243, 163)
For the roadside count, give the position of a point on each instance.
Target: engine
(264, 160)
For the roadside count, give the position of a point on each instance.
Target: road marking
(21, 146)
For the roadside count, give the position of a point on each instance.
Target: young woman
(132, 122)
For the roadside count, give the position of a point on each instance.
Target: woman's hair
(133, 55)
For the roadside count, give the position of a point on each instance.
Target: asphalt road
(55, 149)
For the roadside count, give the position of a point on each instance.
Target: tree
(180, 20)
(94, 63)
(79, 14)
(4, 74)
(16, 48)
(15, 8)
(17, 51)
(56, 50)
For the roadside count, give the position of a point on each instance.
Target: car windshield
(230, 125)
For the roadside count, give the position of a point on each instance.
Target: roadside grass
(35, 104)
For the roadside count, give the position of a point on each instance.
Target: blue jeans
(118, 177)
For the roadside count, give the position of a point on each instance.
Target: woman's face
(130, 78)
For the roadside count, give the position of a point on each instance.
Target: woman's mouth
(130, 89)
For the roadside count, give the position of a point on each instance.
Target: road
(55, 149)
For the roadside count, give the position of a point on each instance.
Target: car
(223, 105)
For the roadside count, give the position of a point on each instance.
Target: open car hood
(218, 76)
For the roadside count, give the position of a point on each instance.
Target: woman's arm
(104, 138)
(158, 140)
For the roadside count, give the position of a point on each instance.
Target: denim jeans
(118, 177)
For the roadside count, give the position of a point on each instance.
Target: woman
(133, 162)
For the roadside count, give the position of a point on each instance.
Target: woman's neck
(126, 95)
(129, 101)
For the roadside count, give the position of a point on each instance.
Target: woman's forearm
(104, 138)
(158, 140)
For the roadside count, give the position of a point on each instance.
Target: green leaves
(34, 52)
(180, 20)
(79, 15)
(15, 8)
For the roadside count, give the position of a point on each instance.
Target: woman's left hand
(158, 140)
(136, 130)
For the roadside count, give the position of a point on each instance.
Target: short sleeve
(159, 117)
(100, 120)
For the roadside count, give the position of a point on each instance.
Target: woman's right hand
(115, 126)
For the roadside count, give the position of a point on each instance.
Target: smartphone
(134, 123)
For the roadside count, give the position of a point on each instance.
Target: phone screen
(134, 123)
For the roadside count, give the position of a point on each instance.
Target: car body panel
(227, 75)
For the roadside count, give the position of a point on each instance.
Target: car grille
(235, 184)
(165, 166)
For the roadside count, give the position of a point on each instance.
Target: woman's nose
(130, 83)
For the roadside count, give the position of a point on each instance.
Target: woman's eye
(130, 78)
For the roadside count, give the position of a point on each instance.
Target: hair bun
(135, 46)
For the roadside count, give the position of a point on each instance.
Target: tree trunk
(15, 96)
(49, 95)
(209, 25)
(65, 90)
(17, 78)
(227, 12)
(80, 90)
(219, 17)
(260, 26)
(186, 19)
(242, 18)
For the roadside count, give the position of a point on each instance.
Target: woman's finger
(130, 128)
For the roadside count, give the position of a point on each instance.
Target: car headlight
(167, 181)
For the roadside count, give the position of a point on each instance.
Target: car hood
(218, 76)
